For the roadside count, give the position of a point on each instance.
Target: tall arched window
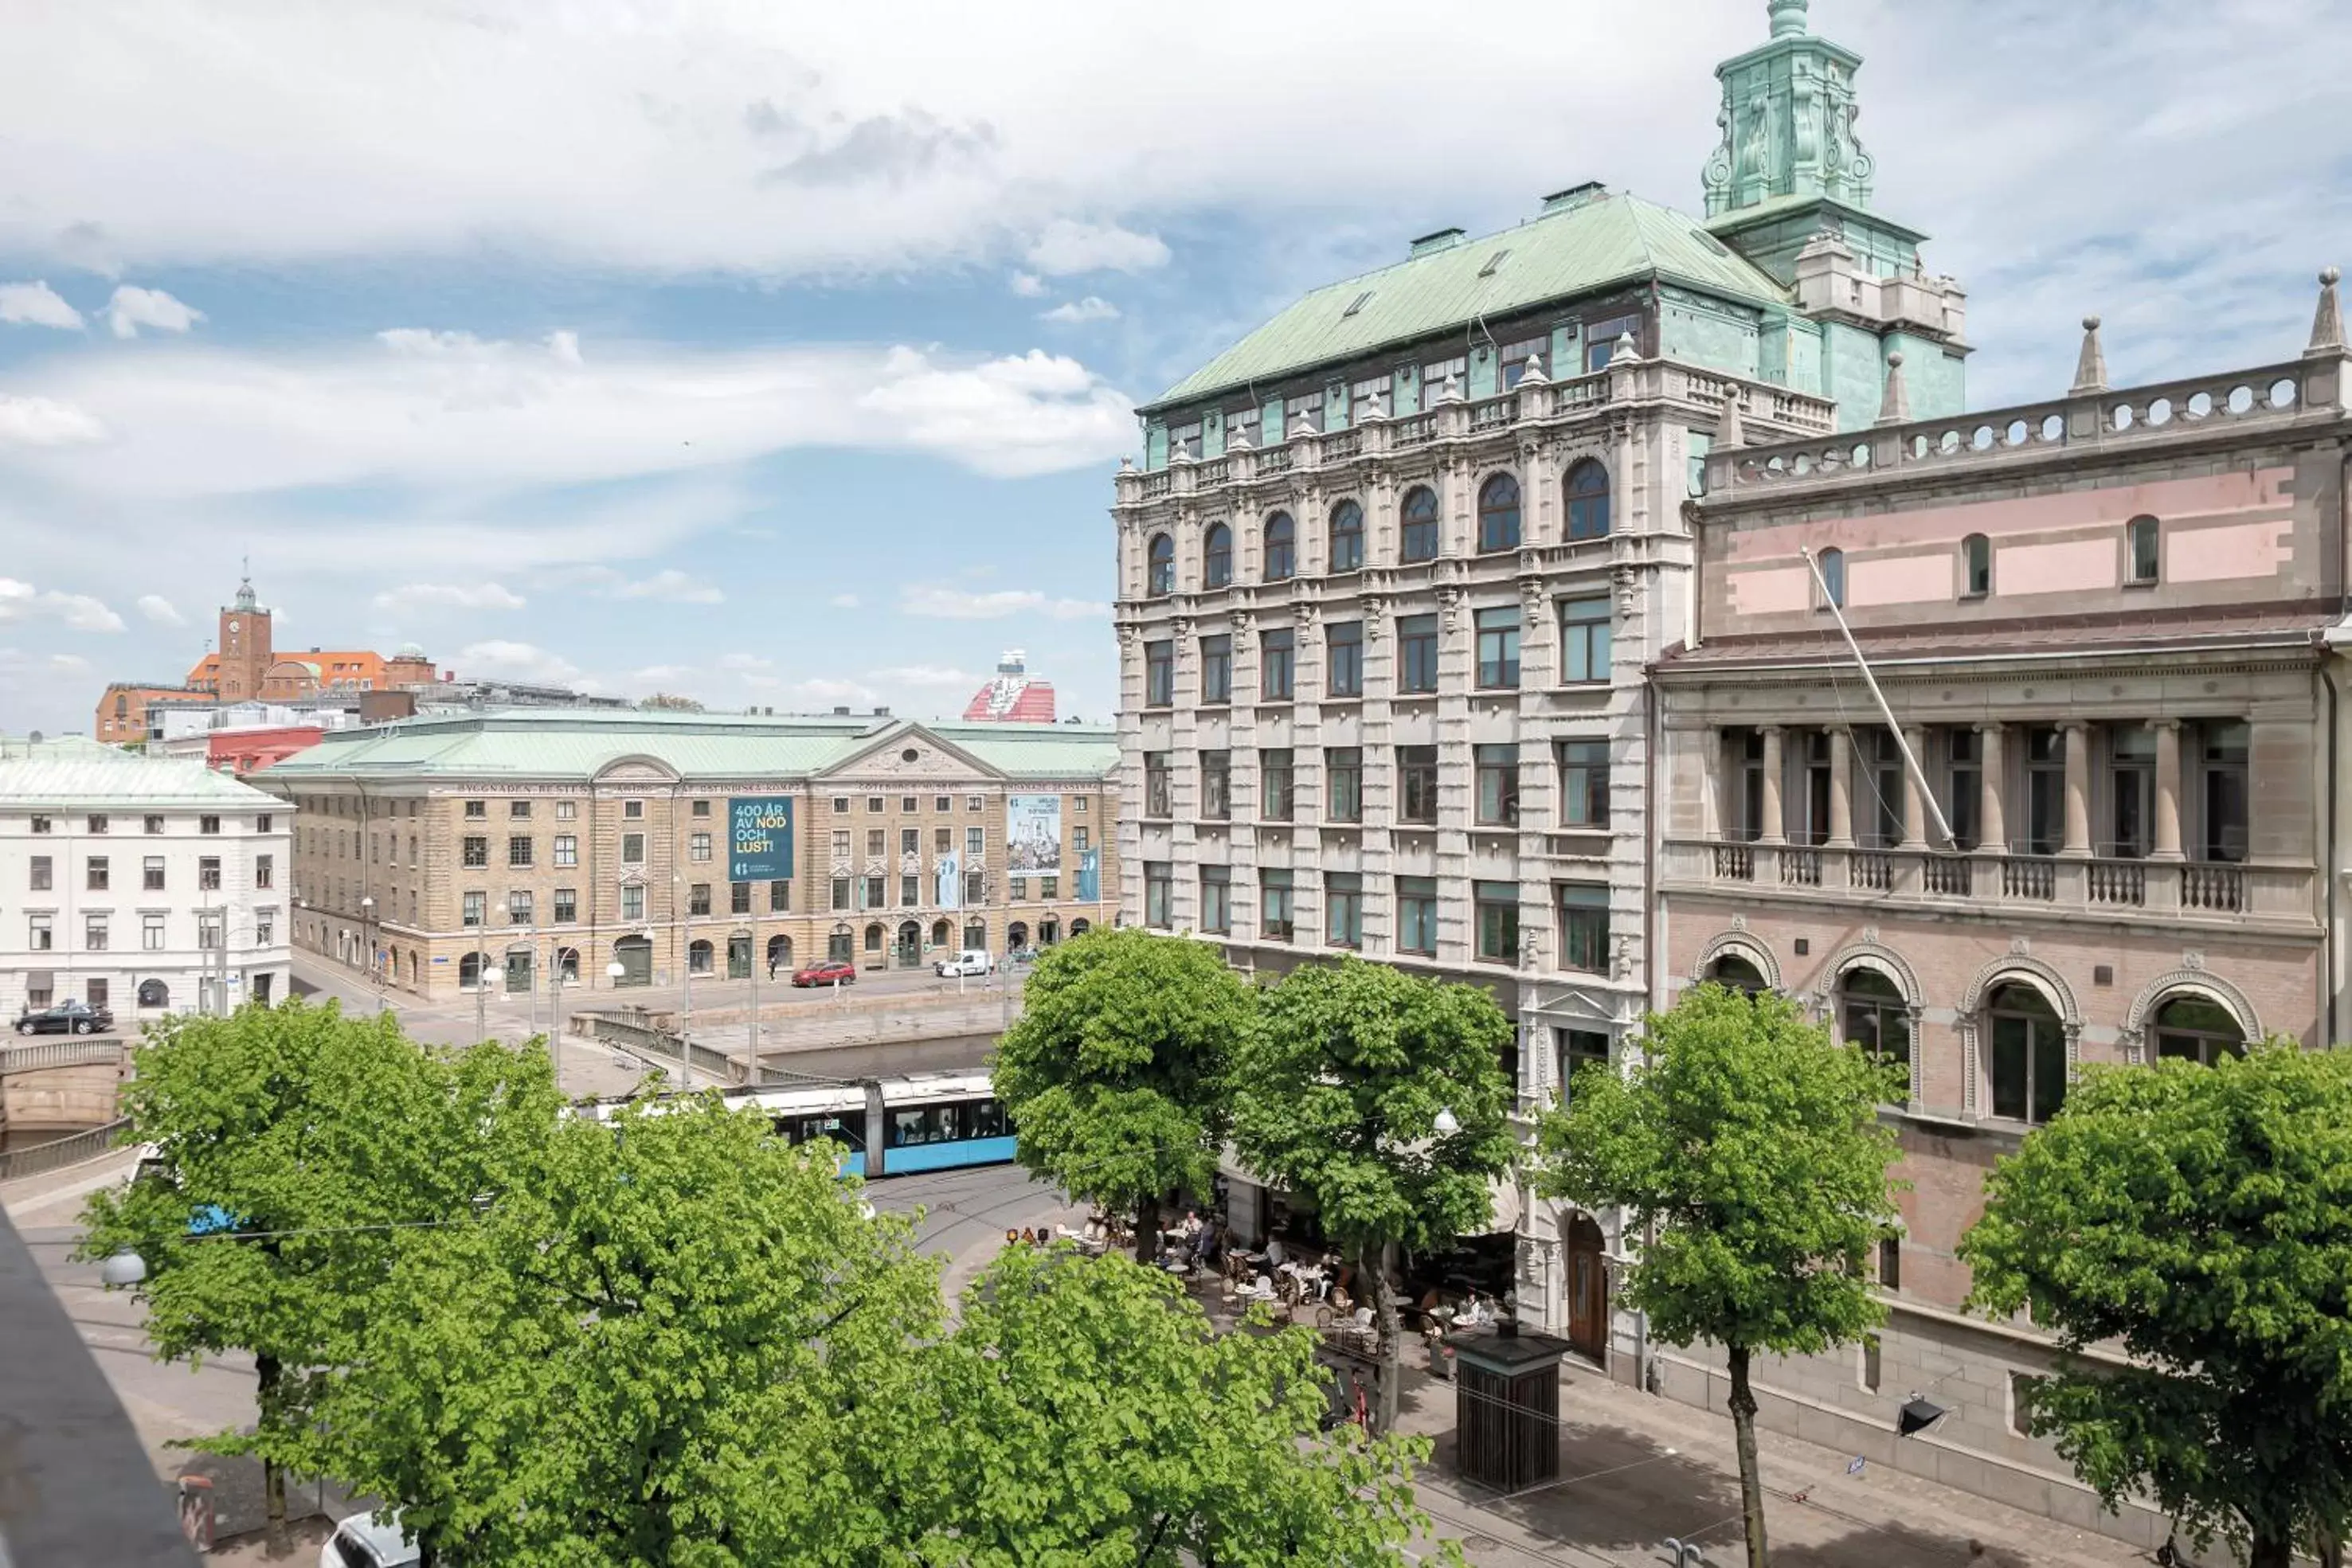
(1833, 565)
(1588, 501)
(469, 971)
(1281, 547)
(938, 933)
(2195, 1030)
(779, 955)
(2139, 541)
(1162, 577)
(1737, 973)
(1873, 1015)
(1419, 539)
(1217, 556)
(1498, 514)
(2028, 1055)
(1976, 566)
(874, 940)
(699, 957)
(1347, 537)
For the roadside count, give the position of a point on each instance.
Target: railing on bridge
(55, 1155)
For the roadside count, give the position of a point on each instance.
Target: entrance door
(738, 956)
(518, 971)
(910, 945)
(636, 955)
(1587, 1289)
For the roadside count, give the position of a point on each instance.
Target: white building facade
(146, 885)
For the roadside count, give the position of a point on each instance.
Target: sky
(780, 355)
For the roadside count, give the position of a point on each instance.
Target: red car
(831, 972)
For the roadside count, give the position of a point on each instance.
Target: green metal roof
(578, 744)
(1611, 240)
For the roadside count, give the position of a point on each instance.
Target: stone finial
(2327, 320)
(1533, 375)
(1237, 438)
(1452, 391)
(1895, 402)
(1127, 464)
(2091, 368)
(1627, 351)
(1372, 411)
(1788, 17)
(1302, 425)
(1729, 432)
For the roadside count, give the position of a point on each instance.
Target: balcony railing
(2196, 891)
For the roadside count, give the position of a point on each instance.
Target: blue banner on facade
(1089, 876)
(759, 839)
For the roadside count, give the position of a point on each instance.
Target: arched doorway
(699, 957)
(567, 965)
(738, 956)
(2193, 1029)
(518, 967)
(975, 936)
(2028, 1055)
(469, 971)
(155, 994)
(636, 957)
(1016, 937)
(1080, 926)
(780, 955)
(941, 933)
(1738, 973)
(1585, 1254)
(1049, 931)
(910, 944)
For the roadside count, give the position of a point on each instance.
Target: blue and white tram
(896, 1127)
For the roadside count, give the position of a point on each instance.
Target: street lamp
(482, 978)
(752, 951)
(124, 1268)
(367, 928)
(1446, 1125)
(684, 948)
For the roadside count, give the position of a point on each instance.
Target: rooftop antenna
(1910, 763)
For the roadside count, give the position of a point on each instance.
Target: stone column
(1995, 833)
(2078, 789)
(1775, 828)
(1915, 806)
(1841, 787)
(2167, 790)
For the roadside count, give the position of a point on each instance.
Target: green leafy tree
(298, 1141)
(1338, 1095)
(2198, 1220)
(1117, 1071)
(1085, 1411)
(1752, 1144)
(654, 1350)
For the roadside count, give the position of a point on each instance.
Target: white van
(971, 961)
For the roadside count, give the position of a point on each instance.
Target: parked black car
(67, 1018)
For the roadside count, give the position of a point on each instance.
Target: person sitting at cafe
(1210, 1247)
(1274, 1252)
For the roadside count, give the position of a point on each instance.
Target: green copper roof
(1611, 240)
(578, 744)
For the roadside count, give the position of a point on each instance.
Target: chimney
(881, 713)
(1443, 239)
(841, 712)
(1575, 196)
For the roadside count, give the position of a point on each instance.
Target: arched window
(940, 932)
(911, 942)
(1419, 539)
(1217, 556)
(779, 955)
(1049, 931)
(2195, 1030)
(1976, 566)
(874, 940)
(567, 965)
(699, 957)
(838, 944)
(636, 957)
(1873, 1015)
(2139, 538)
(1281, 547)
(155, 994)
(469, 971)
(1498, 514)
(1833, 565)
(1162, 576)
(1738, 973)
(1347, 537)
(975, 936)
(1080, 926)
(2028, 1055)
(1016, 935)
(1588, 501)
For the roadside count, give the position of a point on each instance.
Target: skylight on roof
(1492, 262)
(1356, 304)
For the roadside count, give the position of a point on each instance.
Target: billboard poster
(951, 885)
(760, 838)
(1032, 833)
(1089, 876)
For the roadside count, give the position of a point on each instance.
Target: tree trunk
(2330, 1547)
(1743, 1432)
(273, 1479)
(1147, 1226)
(1391, 1340)
(2271, 1552)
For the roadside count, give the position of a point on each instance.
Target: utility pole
(1918, 777)
(751, 1063)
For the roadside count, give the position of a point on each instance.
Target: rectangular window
(517, 808)
(909, 891)
(1417, 654)
(1158, 894)
(1496, 905)
(1584, 927)
(1584, 783)
(843, 897)
(1018, 886)
(518, 850)
(1499, 648)
(780, 896)
(1498, 785)
(208, 876)
(1274, 886)
(212, 929)
(1417, 784)
(567, 905)
(877, 890)
(474, 908)
(1601, 340)
(1890, 1262)
(40, 935)
(695, 808)
(1963, 785)
(1343, 908)
(519, 906)
(739, 898)
(1343, 784)
(1276, 652)
(567, 849)
(1079, 841)
(2142, 532)
(40, 824)
(633, 809)
(1216, 899)
(1159, 674)
(633, 849)
(1416, 900)
(1437, 372)
(265, 927)
(1516, 355)
(942, 841)
(1217, 785)
(975, 802)
(942, 803)
(475, 851)
(473, 808)
(96, 876)
(1584, 652)
(2223, 750)
(151, 933)
(908, 805)
(565, 811)
(1579, 1048)
(975, 888)
(910, 840)
(1155, 785)
(697, 898)
(1274, 785)
(155, 824)
(1344, 641)
(841, 844)
(633, 903)
(975, 842)
(97, 823)
(93, 933)
(43, 874)
(698, 846)
(1217, 669)
(265, 870)
(2045, 790)
(877, 842)
(1049, 887)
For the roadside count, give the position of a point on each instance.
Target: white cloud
(449, 596)
(671, 587)
(844, 601)
(499, 659)
(665, 675)
(1066, 247)
(927, 675)
(36, 304)
(824, 691)
(1093, 308)
(77, 612)
(45, 422)
(161, 611)
(1028, 285)
(961, 604)
(132, 308)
